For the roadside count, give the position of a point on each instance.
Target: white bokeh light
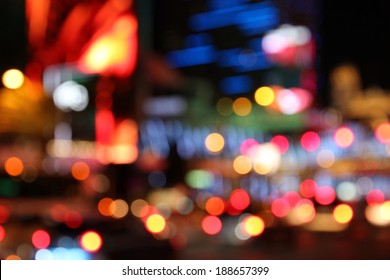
(71, 96)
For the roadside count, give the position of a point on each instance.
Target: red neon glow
(105, 126)
(325, 195)
(375, 197)
(114, 52)
(344, 137)
(40, 239)
(211, 225)
(281, 142)
(239, 199)
(310, 141)
(280, 207)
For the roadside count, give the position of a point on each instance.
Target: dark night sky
(358, 33)
(352, 31)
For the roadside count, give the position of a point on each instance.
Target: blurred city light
(13, 79)
(91, 241)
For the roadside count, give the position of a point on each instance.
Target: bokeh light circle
(13, 79)
(91, 241)
(155, 223)
(40, 239)
(343, 213)
(253, 225)
(211, 225)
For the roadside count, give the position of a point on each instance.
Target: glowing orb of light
(91, 241)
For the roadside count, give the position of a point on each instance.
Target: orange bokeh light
(14, 166)
(104, 206)
(344, 137)
(215, 206)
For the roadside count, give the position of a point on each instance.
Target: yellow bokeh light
(119, 208)
(264, 96)
(385, 210)
(13, 79)
(14, 166)
(242, 106)
(242, 164)
(155, 223)
(253, 225)
(343, 213)
(261, 168)
(91, 241)
(214, 142)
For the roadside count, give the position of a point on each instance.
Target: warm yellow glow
(261, 167)
(305, 212)
(343, 213)
(155, 223)
(114, 51)
(266, 158)
(242, 164)
(214, 142)
(385, 210)
(119, 208)
(13, 79)
(253, 225)
(264, 96)
(91, 241)
(242, 106)
(14, 166)
(375, 216)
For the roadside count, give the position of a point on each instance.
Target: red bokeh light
(40, 239)
(4, 214)
(310, 141)
(211, 225)
(73, 219)
(325, 195)
(375, 197)
(281, 142)
(308, 188)
(2, 233)
(239, 199)
(292, 198)
(280, 207)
